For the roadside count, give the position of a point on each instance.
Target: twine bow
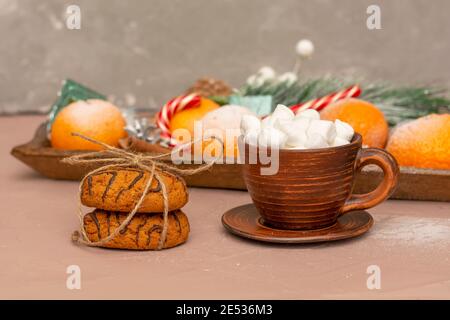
(121, 159)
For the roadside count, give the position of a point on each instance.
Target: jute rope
(121, 159)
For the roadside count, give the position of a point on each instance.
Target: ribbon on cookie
(121, 159)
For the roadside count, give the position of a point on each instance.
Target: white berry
(305, 48)
(288, 77)
(266, 73)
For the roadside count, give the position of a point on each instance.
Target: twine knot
(137, 159)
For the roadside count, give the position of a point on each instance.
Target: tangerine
(96, 119)
(186, 119)
(364, 117)
(422, 143)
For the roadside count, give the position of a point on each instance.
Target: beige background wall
(144, 52)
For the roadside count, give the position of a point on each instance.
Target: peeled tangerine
(422, 143)
(250, 123)
(251, 137)
(228, 122)
(229, 117)
(97, 119)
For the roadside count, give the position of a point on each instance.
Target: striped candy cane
(320, 103)
(167, 112)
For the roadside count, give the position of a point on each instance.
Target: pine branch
(397, 103)
(403, 103)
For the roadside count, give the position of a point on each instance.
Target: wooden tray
(414, 183)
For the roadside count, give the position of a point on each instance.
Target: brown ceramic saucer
(246, 222)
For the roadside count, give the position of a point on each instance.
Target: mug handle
(388, 164)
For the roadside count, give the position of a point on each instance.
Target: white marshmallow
(250, 123)
(305, 130)
(295, 131)
(297, 140)
(316, 141)
(344, 130)
(302, 123)
(339, 142)
(251, 137)
(323, 128)
(271, 137)
(282, 112)
(284, 125)
(308, 113)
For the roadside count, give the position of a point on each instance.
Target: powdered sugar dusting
(414, 230)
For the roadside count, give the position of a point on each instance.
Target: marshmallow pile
(304, 130)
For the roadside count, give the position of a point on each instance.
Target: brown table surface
(410, 242)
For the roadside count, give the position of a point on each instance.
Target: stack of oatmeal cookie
(114, 193)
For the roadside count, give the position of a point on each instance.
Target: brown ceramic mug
(313, 187)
